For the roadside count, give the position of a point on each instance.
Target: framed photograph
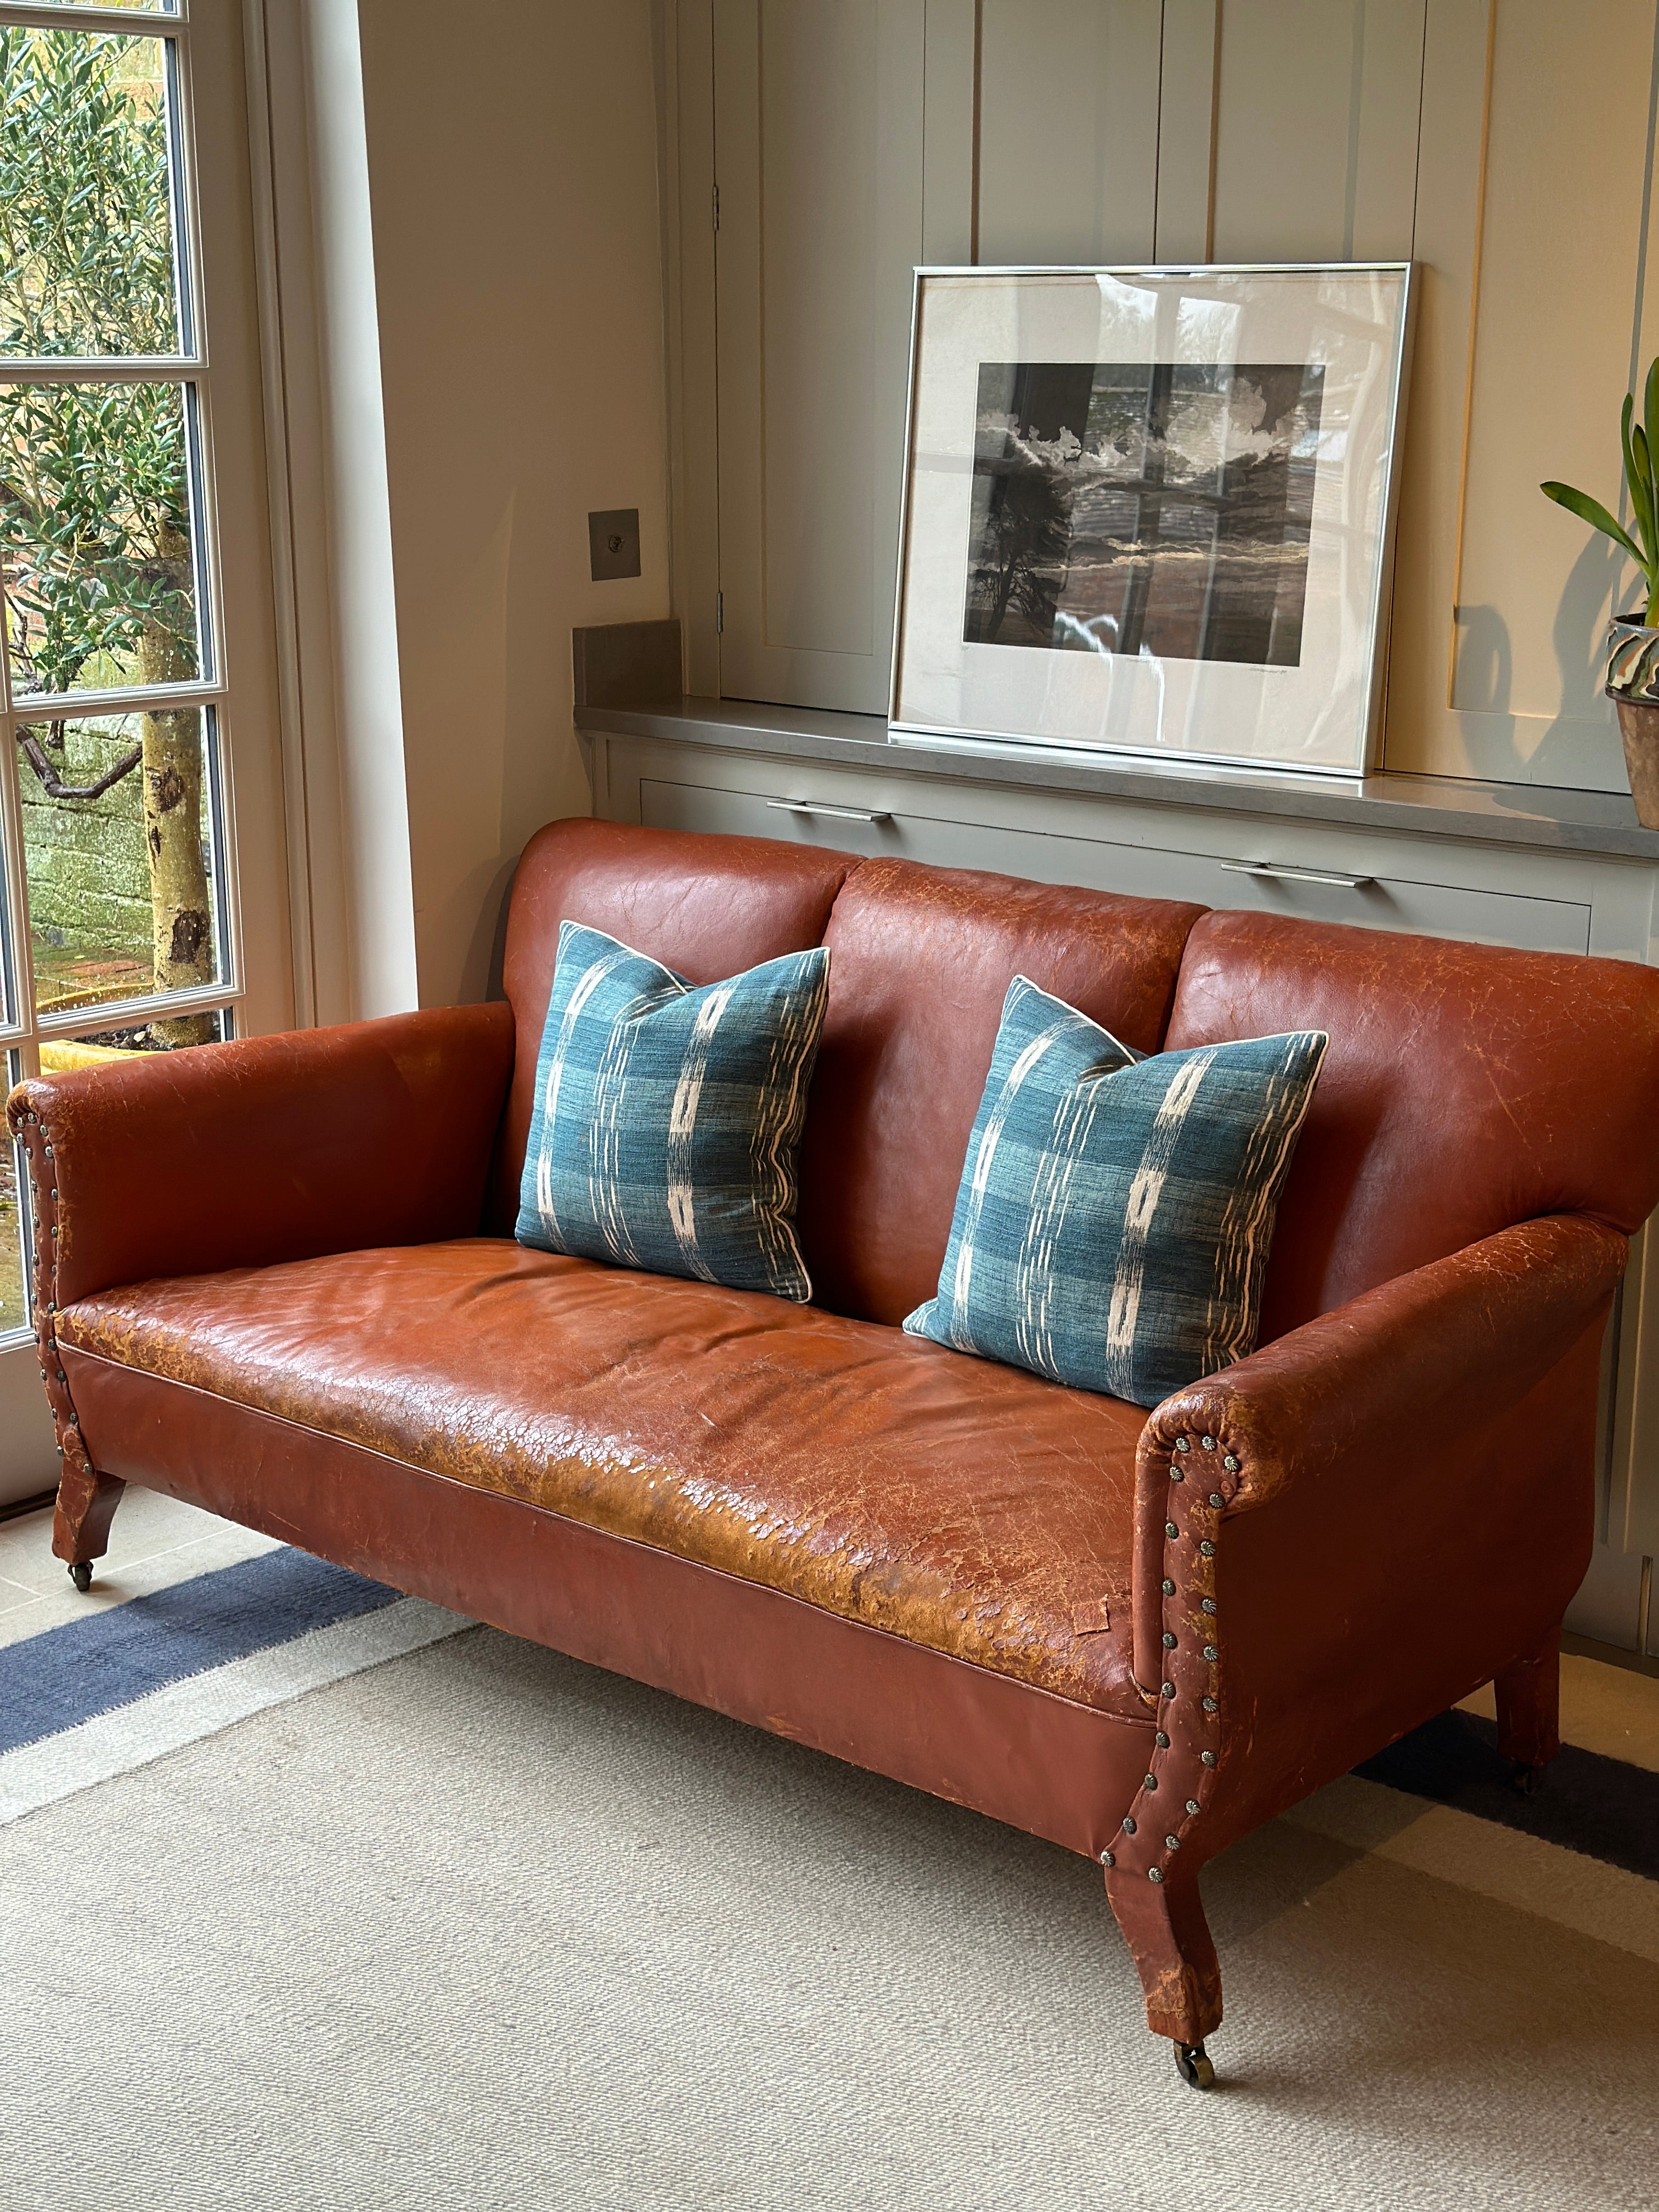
(1151, 511)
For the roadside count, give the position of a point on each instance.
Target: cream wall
(512, 186)
(1507, 145)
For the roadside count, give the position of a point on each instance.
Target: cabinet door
(818, 158)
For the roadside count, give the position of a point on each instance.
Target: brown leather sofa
(276, 1278)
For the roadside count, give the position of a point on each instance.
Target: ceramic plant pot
(1633, 687)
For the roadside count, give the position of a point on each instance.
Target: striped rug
(97, 1697)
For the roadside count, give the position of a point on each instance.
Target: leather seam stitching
(567, 1520)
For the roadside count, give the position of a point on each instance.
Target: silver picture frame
(1197, 569)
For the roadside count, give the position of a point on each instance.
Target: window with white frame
(116, 925)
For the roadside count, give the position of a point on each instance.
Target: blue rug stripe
(72, 1673)
(1585, 1801)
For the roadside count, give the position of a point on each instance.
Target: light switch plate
(613, 543)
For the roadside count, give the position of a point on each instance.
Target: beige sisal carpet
(482, 1927)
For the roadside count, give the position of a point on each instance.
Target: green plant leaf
(1592, 511)
(1650, 428)
(1638, 474)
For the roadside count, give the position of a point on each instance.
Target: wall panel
(1500, 146)
(1068, 129)
(818, 127)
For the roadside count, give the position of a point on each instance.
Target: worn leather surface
(1466, 1087)
(707, 906)
(971, 1508)
(1344, 1532)
(1042, 1763)
(921, 960)
(319, 1140)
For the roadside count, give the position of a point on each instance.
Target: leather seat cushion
(967, 1507)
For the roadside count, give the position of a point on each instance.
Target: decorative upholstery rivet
(1161, 1741)
(1107, 1859)
(1183, 1443)
(1128, 1824)
(1151, 1782)
(1169, 1640)
(1209, 1704)
(1208, 1443)
(54, 1228)
(48, 1152)
(1154, 1873)
(1174, 1842)
(1217, 1499)
(1207, 1549)
(1208, 1604)
(60, 1451)
(1230, 1464)
(1169, 1689)
(1175, 1475)
(1192, 1805)
(1169, 1587)
(1210, 1653)
(1208, 1757)
(1170, 1528)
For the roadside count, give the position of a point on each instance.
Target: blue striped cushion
(1112, 1225)
(667, 1118)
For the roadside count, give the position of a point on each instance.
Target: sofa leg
(1528, 1695)
(1169, 1940)
(80, 1532)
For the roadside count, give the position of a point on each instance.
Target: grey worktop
(1596, 821)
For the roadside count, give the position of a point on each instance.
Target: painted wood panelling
(1494, 140)
(818, 141)
(1079, 79)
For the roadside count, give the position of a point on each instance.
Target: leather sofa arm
(1496, 1315)
(1382, 1384)
(1361, 1522)
(265, 1149)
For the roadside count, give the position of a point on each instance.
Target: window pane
(13, 1310)
(120, 865)
(86, 256)
(97, 549)
(57, 1056)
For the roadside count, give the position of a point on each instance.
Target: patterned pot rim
(1633, 650)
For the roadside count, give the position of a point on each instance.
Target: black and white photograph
(1161, 507)
(1151, 511)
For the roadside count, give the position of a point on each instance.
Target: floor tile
(160, 1548)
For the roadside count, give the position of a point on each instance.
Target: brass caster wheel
(1194, 2066)
(80, 1575)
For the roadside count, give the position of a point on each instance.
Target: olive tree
(95, 536)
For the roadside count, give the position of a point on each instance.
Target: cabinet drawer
(1383, 901)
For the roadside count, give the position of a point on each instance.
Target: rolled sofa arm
(1387, 1381)
(1349, 1530)
(264, 1150)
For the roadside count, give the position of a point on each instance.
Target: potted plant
(1633, 639)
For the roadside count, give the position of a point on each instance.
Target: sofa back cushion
(921, 960)
(1466, 1087)
(706, 907)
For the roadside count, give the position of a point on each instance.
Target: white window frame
(214, 258)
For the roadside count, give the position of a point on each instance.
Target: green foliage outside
(95, 530)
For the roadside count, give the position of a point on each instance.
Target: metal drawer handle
(1295, 875)
(816, 806)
